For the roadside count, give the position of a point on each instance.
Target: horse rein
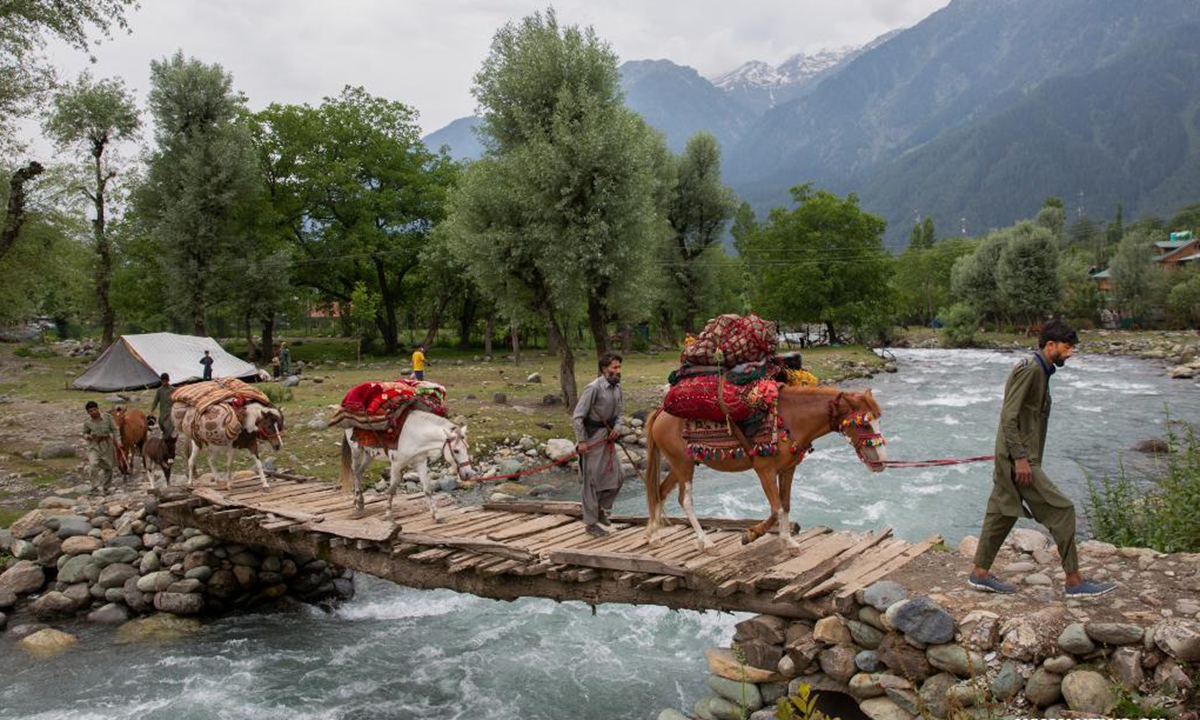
(855, 427)
(447, 450)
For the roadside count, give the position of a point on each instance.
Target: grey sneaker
(991, 584)
(596, 531)
(1090, 588)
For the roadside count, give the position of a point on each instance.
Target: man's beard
(1060, 361)
(613, 379)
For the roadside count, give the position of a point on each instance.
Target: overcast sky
(424, 53)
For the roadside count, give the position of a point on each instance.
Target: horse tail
(346, 474)
(654, 509)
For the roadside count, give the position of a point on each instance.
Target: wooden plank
(787, 572)
(529, 527)
(473, 544)
(544, 507)
(432, 555)
(851, 585)
(841, 563)
(652, 583)
(615, 561)
(373, 529)
(670, 584)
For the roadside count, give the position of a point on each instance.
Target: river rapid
(400, 653)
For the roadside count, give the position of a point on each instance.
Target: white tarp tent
(135, 361)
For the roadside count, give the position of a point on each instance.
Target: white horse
(423, 434)
(258, 422)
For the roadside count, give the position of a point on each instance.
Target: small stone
(110, 614)
(1074, 640)
(766, 628)
(669, 714)
(737, 692)
(52, 606)
(115, 575)
(198, 542)
(906, 699)
(832, 631)
(108, 555)
(1125, 667)
(838, 662)
(47, 643)
(1114, 633)
(903, 659)
(1088, 691)
(723, 709)
(933, 693)
(80, 544)
(499, 398)
(78, 568)
(71, 526)
(55, 450)
(1038, 579)
(190, 585)
(1059, 664)
(155, 581)
(883, 594)
(1027, 540)
(1044, 688)
(957, 660)
(864, 635)
(979, 630)
(872, 617)
(1007, 683)
(868, 661)
(534, 378)
(882, 708)
(179, 603)
(967, 547)
(1172, 678)
(22, 578)
(1180, 639)
(156, 628)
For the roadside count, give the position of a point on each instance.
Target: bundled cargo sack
(730, 340)
(706, 397)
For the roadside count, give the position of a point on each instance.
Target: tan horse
(807, 412)
(131, 426)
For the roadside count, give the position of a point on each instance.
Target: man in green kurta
(285, 360)
(597, 422)
(162, 403)
(101, 435)
(1020, 486)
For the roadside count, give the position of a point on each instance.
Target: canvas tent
(136, 361)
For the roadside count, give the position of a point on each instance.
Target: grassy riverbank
(40, 407)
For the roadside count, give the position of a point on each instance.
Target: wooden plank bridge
(540, 549)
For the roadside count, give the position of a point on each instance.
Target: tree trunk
(387, 319)
(598, 326)
(466, 321)
(15, 216)
(268, 334)
(435, 322)
(690, 306)
(104, 260)
(247, 327)
(487, 334)
(832, 333)
(566, 364)
(553, 338)
(515, 332)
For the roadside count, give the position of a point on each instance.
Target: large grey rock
(772, 692)
(81, 544)
(1172, 678)
(56, 450)
(903, 659)
(832, 631)
(868, 661)
(1114, 633)
(979, 630)
(736, 692)
(24, 577)
(156, 581)
(126, 541)
(198, 542)
(179, 603)
(47, 643)
(882, 708)
(23, 550)
(1180, 639)
(71, 526)
(6, 539)
(111, 614)
(110, 555)
(7, 599)
(137, 600)
(1061, 664)
(907, 700)
(48, 547)
(766, 628)
(1088, 691)
(869, 685)
(884, 594)
(722, 709)
(115, 575)
(291, 381)
(78, 569)
(1027, 636)
(156, 628)
(1029, 540)
(957, 660)
(922, 620)
(1044, 688)
(1074, 639)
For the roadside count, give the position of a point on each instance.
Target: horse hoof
(748, 537)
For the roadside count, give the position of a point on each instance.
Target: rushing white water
(400, 653)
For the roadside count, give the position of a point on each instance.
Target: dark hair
(607, 359)
(164, 376)
(90, 404)
(1057, 331)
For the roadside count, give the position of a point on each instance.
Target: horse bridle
(447, 450)
(855, 427)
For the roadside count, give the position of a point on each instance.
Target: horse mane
(825, 393)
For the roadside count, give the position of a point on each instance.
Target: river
(400, 653)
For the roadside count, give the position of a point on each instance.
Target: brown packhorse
(131, 426)
(807, 412)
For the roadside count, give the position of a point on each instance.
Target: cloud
(424, 52)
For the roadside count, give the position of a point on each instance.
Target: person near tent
(207, 362)
(275, 366)
(418, 362)
(597, 423)
(162, 404)
(101, 435)
(285, 360)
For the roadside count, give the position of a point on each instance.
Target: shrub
(1159, 512)
(959, 324)
(277, 394)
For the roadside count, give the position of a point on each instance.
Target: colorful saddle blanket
(712, 440)
(378, 406)
(706, 397)
(729, 340)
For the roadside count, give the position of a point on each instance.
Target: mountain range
(972, 116)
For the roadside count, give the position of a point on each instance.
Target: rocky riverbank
(107, 560)
(920, 644)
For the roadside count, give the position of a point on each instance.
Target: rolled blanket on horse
(730, 340)
(211, 413)
(380, 406)
(201, 395)
(707, 397)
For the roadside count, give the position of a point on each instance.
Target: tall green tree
(200, 177)
(700, 209)
(564, 211)
(1027, 274)
(820, 262)
(1137, 280)
(921, 278)
(357, 194)
(91, 116)
(1188, 218)
(973, 278)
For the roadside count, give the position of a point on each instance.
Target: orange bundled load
(380, 406)
(227, 395)
(730, 340)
